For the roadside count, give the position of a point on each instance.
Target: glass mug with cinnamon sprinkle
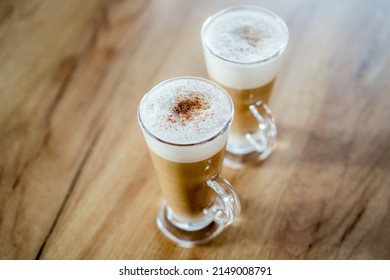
(243, 48)
(185, 122)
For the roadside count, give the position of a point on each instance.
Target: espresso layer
(184, 185)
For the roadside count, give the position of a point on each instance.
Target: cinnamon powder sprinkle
(188, 107)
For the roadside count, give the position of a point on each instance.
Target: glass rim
(215, 136)
(222, 12)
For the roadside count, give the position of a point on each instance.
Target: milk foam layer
(243, 46)
(184, 113)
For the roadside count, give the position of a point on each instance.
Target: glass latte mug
(243, 48)
(185, 122)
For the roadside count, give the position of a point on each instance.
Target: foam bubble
(185, 111)
(242, 46)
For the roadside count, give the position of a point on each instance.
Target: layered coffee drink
(186, 123)
(243, 47)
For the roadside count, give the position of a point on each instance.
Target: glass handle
(226, 207)
(265, 137)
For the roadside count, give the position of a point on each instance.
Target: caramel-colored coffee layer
(184, 185)
(243, 120)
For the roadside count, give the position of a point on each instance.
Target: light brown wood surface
(76, 179)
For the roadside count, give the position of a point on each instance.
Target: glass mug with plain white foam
(185, 122)
(243, 47)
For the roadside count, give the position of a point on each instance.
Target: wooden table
(76, 180)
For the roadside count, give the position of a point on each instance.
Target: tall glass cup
(243, 48)
(185, 122)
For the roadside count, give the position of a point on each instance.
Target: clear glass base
(252, 148)
(186, 234)
(237, 161)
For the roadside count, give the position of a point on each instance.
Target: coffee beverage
(185, 122)
(243, 47)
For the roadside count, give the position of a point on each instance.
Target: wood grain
(76, 180)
